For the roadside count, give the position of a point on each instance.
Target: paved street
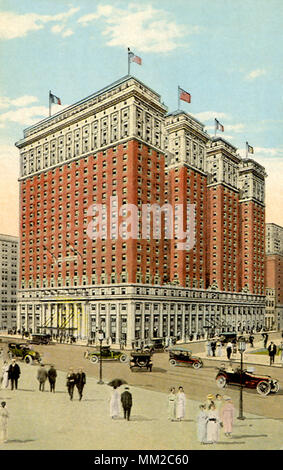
(45, 421)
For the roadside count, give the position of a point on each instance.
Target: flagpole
(247, 150)
(49, 103)
(215, 130)
(129, 61)
(178, 97)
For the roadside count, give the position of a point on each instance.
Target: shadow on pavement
(249, 435)
(12, 441)
(141, 418)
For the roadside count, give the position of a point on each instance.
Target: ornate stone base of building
(129, 313)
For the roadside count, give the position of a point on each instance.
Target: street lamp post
(100, 337)
(241, 349)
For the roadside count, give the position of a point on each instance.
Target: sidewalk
(249, 356)
(46, 421)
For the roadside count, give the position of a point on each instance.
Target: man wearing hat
(127, 402)
(14, 373)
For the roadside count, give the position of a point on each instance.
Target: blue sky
(226, 53)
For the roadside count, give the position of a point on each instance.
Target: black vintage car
(140, 360)
(106, 354)
(263, 384)
(155, 345)
(179, 356)
(39, 338)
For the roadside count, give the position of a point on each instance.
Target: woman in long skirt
(172, 404)
(202, 419)
(5, 375)
(181, 404)
(213, 425)
(115, 403)
(227, 416)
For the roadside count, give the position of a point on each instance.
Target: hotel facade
(95, 180)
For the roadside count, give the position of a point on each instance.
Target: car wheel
(275, 387)
(28, 359)
(94, 359)
(221, 381)
(197, 365)
(173, 362)
(263, 388)
(123, 358)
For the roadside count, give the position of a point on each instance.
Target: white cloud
(25, 100)
(255, 74)
(67, 33)
(143, 28)
(234, 127)
(211, 115)
(25, 116)
(14, 25)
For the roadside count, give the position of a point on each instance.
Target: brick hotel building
(118, 149)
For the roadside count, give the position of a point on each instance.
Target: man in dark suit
(14, 373)
(126, 399)
(52, 374)
(80, 382)
(272, 349)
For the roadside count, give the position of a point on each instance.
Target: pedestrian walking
(218, 402)
(227, 415)
(172, 404)
(115, 403)
(213, 425)
(202, 420)
(219, 348)
(281, 352)
(5, 375)
(265, 339)
(14, 373)
(42, 377)
(208, 348)
(213, 347)
(272, 349)
(80, 382)
(127, 402)
(52, 375)
(209, 400)
(180, 404)
(229, 349)
(251, 341)
(71, 380)
(4, 415)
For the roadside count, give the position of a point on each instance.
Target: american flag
(184, 95)
(135, 58)
(219, 126)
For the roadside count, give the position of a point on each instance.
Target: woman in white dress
(172, 404)
(213, 425)
(115, 403)
(5, 376)
(180, 404)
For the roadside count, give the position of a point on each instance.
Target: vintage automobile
(179, 356)
(24, 352)
(140, 360)
(38, 338)
(263, 384)
(155, 345)
(106, 354)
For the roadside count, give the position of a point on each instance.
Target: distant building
(274, 276)
(119, 150)
(8, 281)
